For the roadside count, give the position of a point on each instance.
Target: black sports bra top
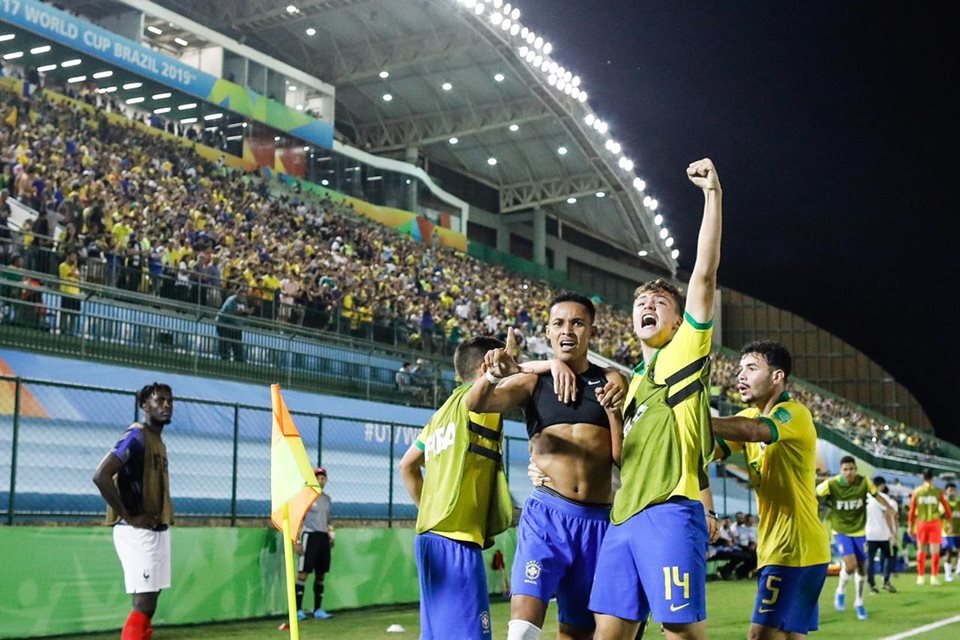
(544, 410)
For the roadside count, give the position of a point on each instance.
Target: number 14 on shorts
(673, 578)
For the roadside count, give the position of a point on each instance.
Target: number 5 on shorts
(677, 581)
(773, 589)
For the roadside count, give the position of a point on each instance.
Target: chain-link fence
(53, 435)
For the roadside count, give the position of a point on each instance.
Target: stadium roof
(469, 85)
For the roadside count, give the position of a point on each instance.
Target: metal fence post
(723, 476)
(196, 349)
(369, 375)
(289, 360)
(236, 470)
(320, 440)
(13, 454)
(390, 497)
(136, 406)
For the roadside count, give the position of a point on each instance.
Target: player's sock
(299, 589)
(317, 593)
(858, 582)
(948, 568)
(522, 630)
(149, 634)
(921, 563)
(935, 564)
(135, 627)
(844, 579)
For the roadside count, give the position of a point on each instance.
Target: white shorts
(145, 557)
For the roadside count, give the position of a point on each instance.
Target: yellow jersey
(783, 474)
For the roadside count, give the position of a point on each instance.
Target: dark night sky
(835, 142)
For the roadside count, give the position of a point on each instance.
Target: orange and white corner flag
(292, 482)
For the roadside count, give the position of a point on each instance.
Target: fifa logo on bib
(627, 428)
(485, 621)
(532, 572)
(439, 441)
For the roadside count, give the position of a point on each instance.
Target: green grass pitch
(729, 608)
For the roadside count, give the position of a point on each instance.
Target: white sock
(522, 630)
(844, 579)
(859, 581)
(948, 569)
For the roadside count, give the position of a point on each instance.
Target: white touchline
(923, 629)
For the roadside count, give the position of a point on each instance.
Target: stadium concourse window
(149, 219)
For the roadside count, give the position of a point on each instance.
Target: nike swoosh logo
(762, 610)
(593, 382)
(674, 607)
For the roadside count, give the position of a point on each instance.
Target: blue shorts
(787, 597)
(951, 543)
(558, 542)
(852, 546)
(453, 589)
(655, 562)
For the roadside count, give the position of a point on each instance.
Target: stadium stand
(148, 218)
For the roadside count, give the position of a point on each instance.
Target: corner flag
(293, 488)
(292, 483)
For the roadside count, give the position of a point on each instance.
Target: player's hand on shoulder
(612, 394)
(564, 381)
(537, 477)
(703, 174)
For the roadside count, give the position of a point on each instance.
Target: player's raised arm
(500, 389)
(703, 280)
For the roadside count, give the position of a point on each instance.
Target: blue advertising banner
(80, 35)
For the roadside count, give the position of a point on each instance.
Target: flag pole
(291, 590)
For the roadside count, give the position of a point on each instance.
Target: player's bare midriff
(577, 459)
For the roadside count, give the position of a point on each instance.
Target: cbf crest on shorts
(532, 572)
(485, 621)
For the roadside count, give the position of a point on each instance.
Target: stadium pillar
(503, 238)
(412, 155)
(128, 24)
(540, 236)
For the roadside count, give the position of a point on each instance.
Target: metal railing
(37, 318)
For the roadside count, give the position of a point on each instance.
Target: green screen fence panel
(68, 579)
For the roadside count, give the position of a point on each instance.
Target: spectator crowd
(126, 207)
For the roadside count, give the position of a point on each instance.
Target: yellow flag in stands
(11, 118)
(292, 482)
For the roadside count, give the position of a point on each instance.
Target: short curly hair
(149, 389)
(663, 287)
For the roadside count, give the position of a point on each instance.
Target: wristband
(713, 514)
(492, 379)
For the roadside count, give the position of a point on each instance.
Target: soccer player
(846, 494)
(316, 541)
(927, 526)
(463, 502)
(951, 539)
(134, 482)
(652, 558)
(566, 516)
(882, 511)
(779, 441)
